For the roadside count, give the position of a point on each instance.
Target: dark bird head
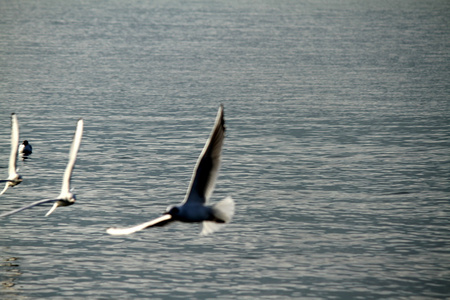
(25, 142)
(172, 210)
(15, 181)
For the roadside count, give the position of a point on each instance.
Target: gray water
(337, 149)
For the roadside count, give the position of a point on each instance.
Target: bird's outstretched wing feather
(28, 206)
(12, 168)
(162, 220)
(205, 172)
(72, 157)
(6, 186)
(55, 205)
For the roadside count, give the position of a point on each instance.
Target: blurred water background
(337, 149)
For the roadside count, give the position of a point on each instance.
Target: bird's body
(66, 197)
(13, 177)
(194, 212)
(194, 209)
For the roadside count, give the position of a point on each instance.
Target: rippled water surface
(337, 149)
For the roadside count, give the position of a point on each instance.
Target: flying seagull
(66, 197)
(13, 178)
(194, 208)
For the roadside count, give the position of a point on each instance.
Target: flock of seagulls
(193, 209)
(66, 197)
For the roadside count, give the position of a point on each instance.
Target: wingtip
(80, 122)
(117, 231)
(162, 220)
(220, 116)
(111, 230)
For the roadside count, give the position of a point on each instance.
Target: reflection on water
(10, 273)
(24, 157)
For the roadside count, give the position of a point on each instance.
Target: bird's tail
(223, 212)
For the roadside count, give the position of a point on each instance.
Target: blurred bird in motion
(194, 208)
(13, 177)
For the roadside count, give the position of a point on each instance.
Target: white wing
(28, 206)
(12, 169)
(129, 230)
(6, 187)
(55, 205)
(205, 172)
(65, 189)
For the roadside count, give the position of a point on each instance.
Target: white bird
(13, 178)
(25, 148)
(193, 208)
(66, 197)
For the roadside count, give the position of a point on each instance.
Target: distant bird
(13, 178)
(66, 197)
(25, 148)
(193, 208)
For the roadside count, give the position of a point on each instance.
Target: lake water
(337, 149)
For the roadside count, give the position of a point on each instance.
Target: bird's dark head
(66, 202)
(15, 180)
(72, 198)
(25, 142)
(66, 198)
(172, 210)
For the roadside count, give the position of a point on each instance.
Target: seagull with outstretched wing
(194, 208)
(13, 177)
